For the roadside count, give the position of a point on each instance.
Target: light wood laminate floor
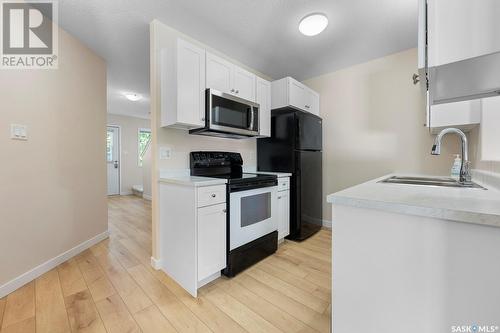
(112, 288)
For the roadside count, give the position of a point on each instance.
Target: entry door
(113, 159)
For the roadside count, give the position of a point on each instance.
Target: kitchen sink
(429, 181)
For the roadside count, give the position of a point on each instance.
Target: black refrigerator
(295, 146)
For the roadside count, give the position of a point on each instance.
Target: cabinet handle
(237, 91)
(232, 90)
(279, 197)
(224, 210)
(307, 106)
(416, 78)
(213, 195)
(202, 118)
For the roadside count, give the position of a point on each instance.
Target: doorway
(113, 159)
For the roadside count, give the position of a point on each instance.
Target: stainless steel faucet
(465, 175)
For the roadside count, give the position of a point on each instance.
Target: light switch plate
(18, 132)
(165, 153)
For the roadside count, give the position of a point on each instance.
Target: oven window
(255, 208)
(230, 113)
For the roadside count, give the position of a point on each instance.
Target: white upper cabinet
(290, 92)
(464, 115)
(187, 70)
(263, 98)
(244, 84)
(183, 85)
(219, 72)
(297, 94)
(461, 29)
(312, 101)
(229, 78)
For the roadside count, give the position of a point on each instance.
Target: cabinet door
(190, 84)
(219, 73)
(464, 115)
(284, 214)
(311, 101)
(244, 84)
(315, 103)
(211, 240)
(462, 29)
(297, 94)
(263, 97)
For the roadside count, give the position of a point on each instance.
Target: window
(109, 145)
(144, 139)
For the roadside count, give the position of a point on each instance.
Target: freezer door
(308, 194)
(308, 131)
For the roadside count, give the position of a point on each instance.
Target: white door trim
(120, 154)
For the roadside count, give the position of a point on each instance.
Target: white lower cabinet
(192, 233)
(283, 207)
(211, 240)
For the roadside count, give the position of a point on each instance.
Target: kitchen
(466, 107)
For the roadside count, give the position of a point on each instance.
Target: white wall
(53, 186)
(373, 124)
(131, 173)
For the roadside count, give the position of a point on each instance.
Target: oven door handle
(244, 187)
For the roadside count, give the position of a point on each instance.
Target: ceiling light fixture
(133, 97)
(313, 24)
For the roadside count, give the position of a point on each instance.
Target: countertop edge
(195, 183)
(485, 219)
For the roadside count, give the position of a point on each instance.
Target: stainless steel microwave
(229, 116)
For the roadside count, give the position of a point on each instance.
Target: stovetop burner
(227, 166)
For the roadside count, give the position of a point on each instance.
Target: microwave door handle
(252, 118)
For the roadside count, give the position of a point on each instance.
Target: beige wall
(373, 124)
(131, 173)
(53, 186)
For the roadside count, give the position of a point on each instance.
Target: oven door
(252, 214)
(231, 114)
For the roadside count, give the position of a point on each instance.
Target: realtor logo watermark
(29, 37)
(474, 328)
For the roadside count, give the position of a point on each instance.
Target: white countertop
(183, 177)
(456, 204)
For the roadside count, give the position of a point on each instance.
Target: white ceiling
(263, 34)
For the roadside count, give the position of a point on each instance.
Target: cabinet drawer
(211, 195)
(283, 184)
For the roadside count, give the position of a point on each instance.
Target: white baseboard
(32, 274)
(327, 224)
(155, 263)
(147, 197)
(209, 279)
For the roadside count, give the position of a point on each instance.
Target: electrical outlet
(165, 153)
(18, 132)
